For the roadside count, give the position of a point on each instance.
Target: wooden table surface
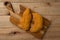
(50, 9)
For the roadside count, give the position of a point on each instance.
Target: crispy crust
(25, 20)
(38, 23)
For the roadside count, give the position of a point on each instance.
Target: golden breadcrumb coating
(37, 22)
(13, 20)
(25, 20)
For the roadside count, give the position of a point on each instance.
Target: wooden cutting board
(8, 31)
(48, 9)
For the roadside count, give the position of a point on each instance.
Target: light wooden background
(50, 9)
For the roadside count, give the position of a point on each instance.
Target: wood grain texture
(6, 29)
(42, 8)
(50, 9)
(30, 1)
